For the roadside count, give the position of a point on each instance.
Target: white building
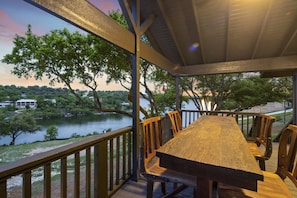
(23, 103)
(4, 104)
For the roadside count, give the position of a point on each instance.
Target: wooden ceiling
(195, 37)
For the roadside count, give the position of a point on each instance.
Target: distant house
(24, 103)
(4, 104)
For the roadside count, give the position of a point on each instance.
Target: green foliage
(253, 91)
(56, 102)
(51, 133)
(65, 57)
(75, 135)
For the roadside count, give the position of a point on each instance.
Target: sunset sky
(15, 15)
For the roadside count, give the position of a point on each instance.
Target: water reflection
(81, 125)
(75, 125)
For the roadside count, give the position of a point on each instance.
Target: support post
(294, 97)
(177, 94)
(136, 89)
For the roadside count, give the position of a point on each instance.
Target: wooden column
(135, 88)
(177, 93)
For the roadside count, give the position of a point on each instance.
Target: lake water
(81, 126)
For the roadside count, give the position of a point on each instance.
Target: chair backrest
(264, 131)
(287, 166)
(176, 122)
(152, 139)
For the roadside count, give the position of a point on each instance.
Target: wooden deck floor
(138, 189)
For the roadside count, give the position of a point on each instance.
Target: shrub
(51, 133)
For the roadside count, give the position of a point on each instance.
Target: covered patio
(190, 37)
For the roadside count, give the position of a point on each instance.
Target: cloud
(106, 6)
(8, 28)
(15, 15)
(9, 79)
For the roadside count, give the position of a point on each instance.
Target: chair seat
(165, 175)
(272, 186)
(256, 150)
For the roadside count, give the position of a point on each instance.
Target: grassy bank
(13, 153)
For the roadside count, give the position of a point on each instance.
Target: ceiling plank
(228, 33)
(255, 65)
(91, 19)
(151, 55)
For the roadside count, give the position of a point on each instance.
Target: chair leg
(149, 188)
(175, 191)
(262, 164)
(174, 185)
(163, 188)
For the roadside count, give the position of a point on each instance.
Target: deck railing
(244, 119)
(94, 167)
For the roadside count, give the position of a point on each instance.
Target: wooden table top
(213, 147)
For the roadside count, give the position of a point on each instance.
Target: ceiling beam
(89, 18)
(201, 43)
(255, 65)
(277, 74)
(171, 29)
(291, 38)
(263, 27)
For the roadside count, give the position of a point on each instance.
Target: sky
(15, 15)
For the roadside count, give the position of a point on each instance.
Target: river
(80, 126)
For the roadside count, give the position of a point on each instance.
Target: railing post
(27, 186)
(3, 188)
(63, 187)
(47, 181)
(100, 170)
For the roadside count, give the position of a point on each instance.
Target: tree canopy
(66, 57)
(63, 57)
(18, 124)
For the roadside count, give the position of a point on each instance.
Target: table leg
(204, 188)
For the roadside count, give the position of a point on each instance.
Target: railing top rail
(225, 111)
(31, 162)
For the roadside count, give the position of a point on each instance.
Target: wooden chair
(176, 122)
(152, 140)
(261, 147)
(273, 184)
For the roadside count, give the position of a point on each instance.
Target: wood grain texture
(273, 184)
(214, 148)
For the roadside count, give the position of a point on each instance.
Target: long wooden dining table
(214, 149)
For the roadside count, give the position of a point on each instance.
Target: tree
(254, 90)
(51, 133)
(18, 124)
(64, 57)
(236, 91)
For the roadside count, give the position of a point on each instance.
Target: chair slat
(176, 122)
(152, 140)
